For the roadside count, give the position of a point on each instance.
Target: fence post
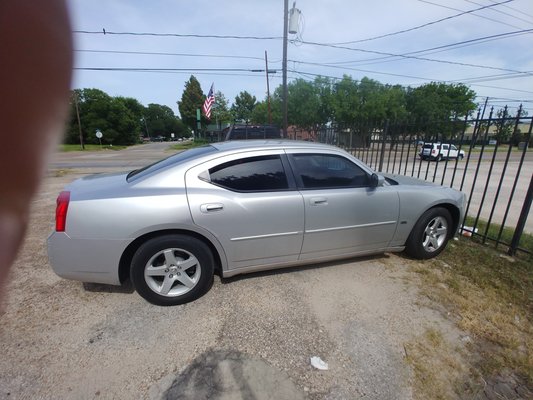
(382, 155)
(522, 220)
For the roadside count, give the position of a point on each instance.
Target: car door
(453, 151)
(250, 204)
(343, 214)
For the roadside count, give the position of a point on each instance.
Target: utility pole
(285, 90)
(268, 90)
(79, 121)
(146, 127)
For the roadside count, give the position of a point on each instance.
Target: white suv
(438, 151)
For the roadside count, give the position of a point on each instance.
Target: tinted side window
(264, 173)
(328, 171)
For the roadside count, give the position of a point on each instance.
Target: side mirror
(376, 180)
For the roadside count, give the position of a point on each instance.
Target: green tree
(442, 106)
(324, 92)
(99, 111)
(161, 121)
(220, 111)
(505, 127)
(354, 102)
(304, 105)
(243, 107)
(192, 99)
(260, 112)
(345, 101)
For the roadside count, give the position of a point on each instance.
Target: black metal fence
(487, 158)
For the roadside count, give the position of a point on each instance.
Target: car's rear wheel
(172, 269)
(461, 156)
(430, 234)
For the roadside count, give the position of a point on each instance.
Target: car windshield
(172, 160)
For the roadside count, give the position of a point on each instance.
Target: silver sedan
(238, 207)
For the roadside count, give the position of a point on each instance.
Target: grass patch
(526, 241)
(491, 299)
(436, 367)
(188, 144)
(89, 147)
(58, 173)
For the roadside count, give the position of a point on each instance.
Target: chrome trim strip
(351, 227)
(270, 235)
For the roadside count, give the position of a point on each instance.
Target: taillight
(61, 211)
(433, 151)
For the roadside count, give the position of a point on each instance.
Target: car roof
(259, 144)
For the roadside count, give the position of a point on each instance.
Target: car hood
(407, 180)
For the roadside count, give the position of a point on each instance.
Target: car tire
(439, 158)
(430, 234)
(461, 156)
(172, 269)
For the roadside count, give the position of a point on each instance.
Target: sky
(481, 43)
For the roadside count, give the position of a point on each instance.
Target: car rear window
(172, 160)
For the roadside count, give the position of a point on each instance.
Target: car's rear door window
(251, 174)
(322, 171)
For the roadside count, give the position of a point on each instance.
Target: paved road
(130, 158)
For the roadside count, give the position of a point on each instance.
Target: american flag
(209, 102)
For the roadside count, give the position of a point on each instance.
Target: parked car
(438, 151)
(237, 207)
(246, 132)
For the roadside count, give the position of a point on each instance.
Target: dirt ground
(61, 339)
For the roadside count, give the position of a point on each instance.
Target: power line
(217, 71)
(482, 78)
(489, 78)
(426, 79)
(514, 9)
(167, 54)
(423, 25)
(475, 15)
(508, 99)
(414, 57)
(184, 35)
(502, 12)
(447, 47)
(172, 69)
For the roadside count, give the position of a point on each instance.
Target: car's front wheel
(430, 234)
(172, 269)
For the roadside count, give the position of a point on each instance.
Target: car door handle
(207, 208)
(315, 201)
